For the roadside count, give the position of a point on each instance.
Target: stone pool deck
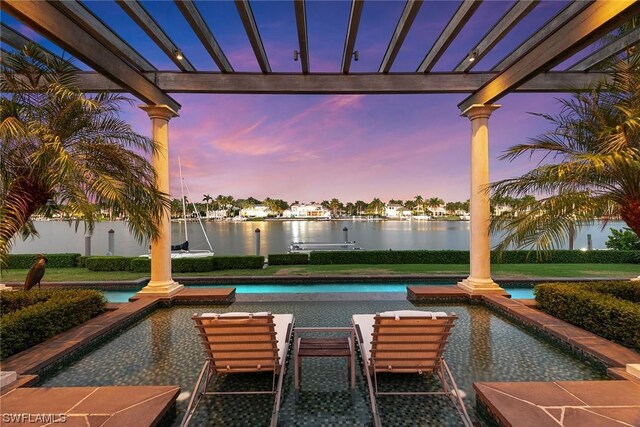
(581, 403)
(88, 406)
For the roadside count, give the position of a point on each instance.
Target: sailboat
(182, 250)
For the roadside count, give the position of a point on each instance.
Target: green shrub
(596, 311)
(22, 261)
(462, 257)
(51, 312)
(13, 301)
(237, 262)
(629, 291)
(140, 265)
(204, 264)
(623, 239)
(108, 263)
(80, 262)
(288, 259)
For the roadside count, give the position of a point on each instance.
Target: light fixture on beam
(296, 55)
(178, 54)
(356, 55)
(473, 55)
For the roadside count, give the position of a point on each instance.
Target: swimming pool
(124, 295)
(163, 349)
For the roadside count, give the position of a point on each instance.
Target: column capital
(159, 111)
(477, 111)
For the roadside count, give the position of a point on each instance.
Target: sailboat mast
(184, 205)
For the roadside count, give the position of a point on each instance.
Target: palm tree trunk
(630, 213)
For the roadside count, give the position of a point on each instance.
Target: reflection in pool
(163, 349)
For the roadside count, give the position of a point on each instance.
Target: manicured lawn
(517, 271)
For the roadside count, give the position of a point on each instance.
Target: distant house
(396, 211)
(439, 211)
(257, 211)
(308, 211)
(217, 214)
(500, 209)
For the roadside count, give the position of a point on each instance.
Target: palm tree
(207, 198)
(376, 205)
(419, 200)
(596, 139)
(334, 205)
(434, 202)
(59, 147)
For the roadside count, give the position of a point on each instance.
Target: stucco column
(479, 280)
(161, 282)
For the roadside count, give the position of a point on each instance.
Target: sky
(317, 147)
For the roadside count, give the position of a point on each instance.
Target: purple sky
(313, 148)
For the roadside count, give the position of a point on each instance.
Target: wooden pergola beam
(201, 29)
(338, 83)
(411, 9)
(303, 41)
(17, 41)
(466, 9)
(141, 16)
(515, 14)
(250, 26)
(352, 33)
(591, 23)
(66, 33)
(543, 32)
(628, 40)
(92, 25)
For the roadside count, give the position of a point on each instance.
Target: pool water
(124, 295)
(163, 349)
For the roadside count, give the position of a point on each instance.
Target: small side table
(323, 347)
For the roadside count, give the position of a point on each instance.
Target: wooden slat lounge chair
(242, 342)
(406, 342)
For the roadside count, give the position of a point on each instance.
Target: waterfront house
(257, 211)
(392, 210)
(307, 211)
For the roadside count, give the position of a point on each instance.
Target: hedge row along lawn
(608, 309)
(31, 317)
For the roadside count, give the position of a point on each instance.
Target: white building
(217, 214)
(311, 211)
(258, 211)
(396, 211)
(500, 209)
(439, 211)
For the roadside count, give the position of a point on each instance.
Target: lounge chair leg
(462, 409)
(196, 395)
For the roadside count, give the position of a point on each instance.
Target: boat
(306, 247)
(182, 250)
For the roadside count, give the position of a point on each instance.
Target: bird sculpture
(36, 272)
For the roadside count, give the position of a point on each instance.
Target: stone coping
(88, 406)
(566, 403)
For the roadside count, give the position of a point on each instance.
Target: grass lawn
(516, 271)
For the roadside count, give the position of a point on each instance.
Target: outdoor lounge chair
(242, 342)
(406, 342)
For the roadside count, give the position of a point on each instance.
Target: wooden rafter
(338, 83)
(564, 16)
(94, 26)
(66, 33)
(411, 9)
(200, 27)
(250, 26)
(303, 41)
(466, 9)
(17, 41)
(515, 14)
(352, 33)
(141, 16)
(590, 24)
(630, 39)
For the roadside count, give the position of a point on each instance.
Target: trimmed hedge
(462, 257)
(629, 291)
(108, 263)
(204, 264)
(288, 259)
(22, 261)
(593, 306)
(44, 314)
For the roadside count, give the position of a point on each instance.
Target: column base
(480, 286)
(161, 288)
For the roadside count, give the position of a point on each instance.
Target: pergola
(118, 67)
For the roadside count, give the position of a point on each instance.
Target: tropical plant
(207, 199)
(590, 165)
(434, 203)
(59, 147)
(419, 203)
(623, 240)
